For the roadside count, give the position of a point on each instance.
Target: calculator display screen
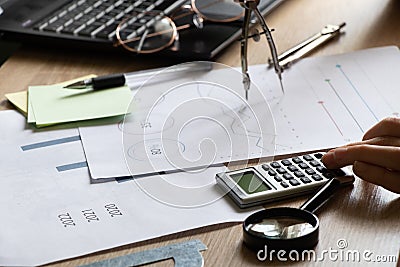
(250, 182)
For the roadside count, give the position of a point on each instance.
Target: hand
(376, 159)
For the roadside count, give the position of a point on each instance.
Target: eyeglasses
(153, 31)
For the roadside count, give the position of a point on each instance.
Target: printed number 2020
(113, 210)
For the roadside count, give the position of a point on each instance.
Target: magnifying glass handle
(326, 192)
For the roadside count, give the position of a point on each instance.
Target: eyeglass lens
(154, 34)
(218, 10)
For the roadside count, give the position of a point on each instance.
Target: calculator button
(277, 178)
(297, 160)
(315, 163)
(308, 157)
(292, 168)
(318, 155)
(316, 177)
(284, 184)
(325, 172)
(281, 170)
(265, 167)
(310, 171)
(275, 164)
(272, 172)
(299, 174)
(303, 165)
(286, 162)
(305, 180)
(288, 176)
(294, 182)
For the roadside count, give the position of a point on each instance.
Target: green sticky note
(53, 104)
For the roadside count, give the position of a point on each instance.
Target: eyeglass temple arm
(243, 52)
(271, 44)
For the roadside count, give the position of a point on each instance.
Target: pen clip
(289, 57)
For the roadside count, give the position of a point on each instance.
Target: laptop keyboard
(100, 18)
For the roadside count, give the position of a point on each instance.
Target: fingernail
(333, 157)
(328, 159)
(339, 154)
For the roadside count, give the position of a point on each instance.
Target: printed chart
(328, 101)
(57, 214)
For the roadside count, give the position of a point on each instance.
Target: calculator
(277, 180)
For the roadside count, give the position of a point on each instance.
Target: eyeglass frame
(249, 7)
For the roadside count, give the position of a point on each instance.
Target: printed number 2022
(66, 220)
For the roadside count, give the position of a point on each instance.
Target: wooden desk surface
(367, 217)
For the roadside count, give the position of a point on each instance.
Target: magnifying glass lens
(281, 228)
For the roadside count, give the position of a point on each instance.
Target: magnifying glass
(290, 228)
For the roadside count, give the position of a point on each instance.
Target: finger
(384, 156)
(378, 175)
(380, 141)
(386, 127)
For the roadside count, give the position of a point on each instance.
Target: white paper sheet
(328, 101)
(51, 212)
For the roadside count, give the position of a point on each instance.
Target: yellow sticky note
(20, 101)
(53, 104)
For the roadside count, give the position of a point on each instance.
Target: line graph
(330, 101)
(344, 104)
(330, 116)
(339, 67)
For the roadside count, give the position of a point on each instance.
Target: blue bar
(72, 166)
(51, 142)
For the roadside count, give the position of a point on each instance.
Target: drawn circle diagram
(189, 123)
(139, 121)
(157, 148)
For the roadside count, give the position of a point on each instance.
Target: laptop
(92, 24)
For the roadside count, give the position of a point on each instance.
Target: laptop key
(41, 26)
(106, 31)
(126, 30)
(100, 18)
(54, 27)
(69, 29)
(87, 31)
(79, 29)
